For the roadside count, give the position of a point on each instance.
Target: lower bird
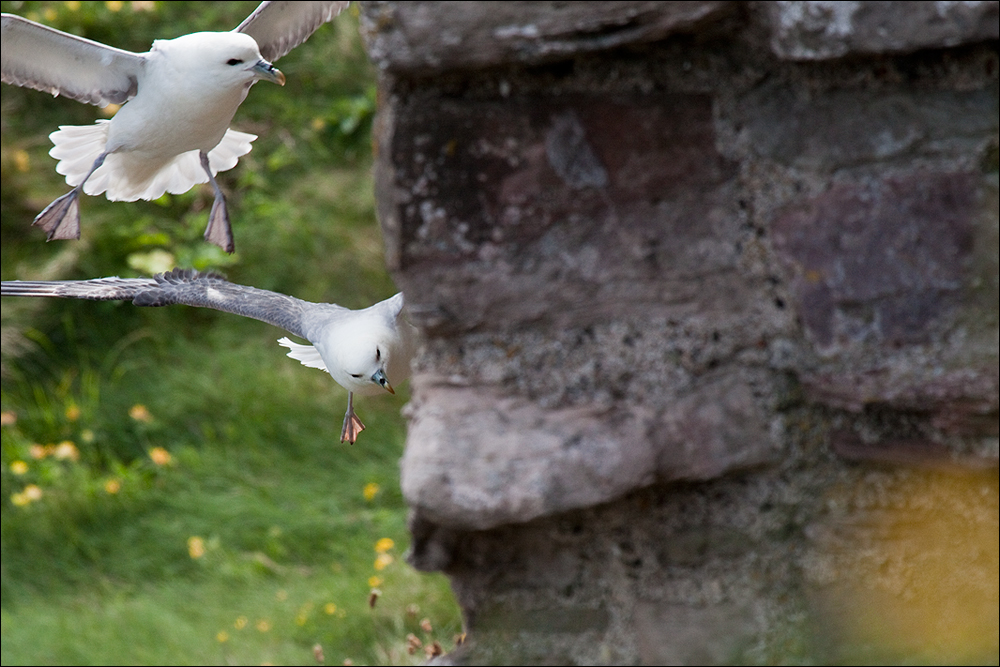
(361, 349)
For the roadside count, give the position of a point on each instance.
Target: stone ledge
(531, 461)
(819, 30)
(417, 39)
(422, 38)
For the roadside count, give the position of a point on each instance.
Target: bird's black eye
(355, 375)
(234, 61)
(378, 354)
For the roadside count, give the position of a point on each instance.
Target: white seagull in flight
(182, 94)
(361, 349)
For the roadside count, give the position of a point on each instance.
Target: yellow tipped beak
(269, 72)
(380, 379)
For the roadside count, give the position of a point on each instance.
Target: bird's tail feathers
(76, 147)
(307, 355)
(233, 146)
(128, 176)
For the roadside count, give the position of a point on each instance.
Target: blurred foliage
(173, 488)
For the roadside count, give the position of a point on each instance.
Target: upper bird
(181, 95)
(361, 349)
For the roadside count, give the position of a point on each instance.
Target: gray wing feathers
(209, 290)
(36, 56)
(186, 287)
(101, 289)
(279, 27)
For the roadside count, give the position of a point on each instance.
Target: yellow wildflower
(66, 450)
(30, 494)
(22, 161)
(303, 616)
(38, 452)
(19, 467)
(112, 486)
(160, 456)
(374, 581)
(8, 418)
(72, 412)
(72, 5)
(383, 545)
(263, 625)
(222, 636)
(382, 561)
(114, 5)
(370, 491)
(140, 413)
(330, 608)
(240, 623)
(196, 547)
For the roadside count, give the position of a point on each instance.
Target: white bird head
(360, 355)
(219, 59)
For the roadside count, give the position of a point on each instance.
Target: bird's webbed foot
(61, 218)
(352, 428)
(219, 230)
(352, 425)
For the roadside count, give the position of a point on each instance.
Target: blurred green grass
(257, 540)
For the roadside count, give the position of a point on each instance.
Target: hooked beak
(268, 72)
(380, 378)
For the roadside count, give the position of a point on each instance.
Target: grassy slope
(256, 473)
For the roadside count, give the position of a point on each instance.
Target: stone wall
(709, 294)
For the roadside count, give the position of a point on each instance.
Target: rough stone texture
(430, 37)
(570, 457)
(814, 30)
(710, 360)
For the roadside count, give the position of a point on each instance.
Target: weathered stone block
(532, 461)
(882, 262)
(818, 29)
(498, 212)
(847, 128)
(420, 38)
(898, 292)
(674, 634)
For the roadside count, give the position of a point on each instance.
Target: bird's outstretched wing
(100, 289)
(36, 56)
(279, 27)
(180, 286)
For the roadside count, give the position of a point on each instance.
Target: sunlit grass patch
(248, 509)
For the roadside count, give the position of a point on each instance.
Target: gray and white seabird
(173, 132)
(362, 349)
